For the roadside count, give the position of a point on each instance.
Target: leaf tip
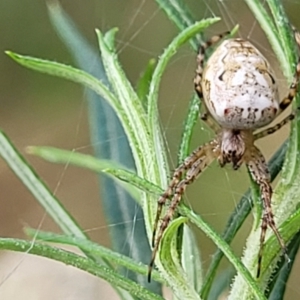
(9, 53)
(53, 4)
(234, 30)
(30, 150)
(16, 57)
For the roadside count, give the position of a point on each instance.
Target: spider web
(144, 32)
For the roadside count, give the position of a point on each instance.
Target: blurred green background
(40, 110)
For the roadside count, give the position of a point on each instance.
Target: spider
(240, 96)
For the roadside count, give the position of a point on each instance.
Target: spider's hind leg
(258, 169)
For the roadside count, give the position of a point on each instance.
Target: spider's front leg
(259, 171)
(192, 166)
(186, 165)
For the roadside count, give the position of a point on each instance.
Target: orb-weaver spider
(240, 95)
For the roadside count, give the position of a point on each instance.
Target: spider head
(233, 146)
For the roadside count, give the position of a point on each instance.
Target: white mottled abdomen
(238, 86)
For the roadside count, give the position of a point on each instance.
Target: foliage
(142, 179)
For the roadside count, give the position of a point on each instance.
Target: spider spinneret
(240, 95)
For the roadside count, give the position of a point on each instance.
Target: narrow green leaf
(144, 82)
(225, 248)
(171, 262)
(178, 12)
(288, 229)
(191, 259)
(179, 40)
(189, 249)
(109, 142)
(133, 121)
(79, 262)
(109, 167)
(96, 250)
(269, 28)
(73, 74)
(278, 285)
(127, 106)
(221, 285)
(38, 188)
(130, 103)
(188, 128)
(283, 26)
(141, 135)
(184, 151)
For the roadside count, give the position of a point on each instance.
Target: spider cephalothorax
(232, 144)
(240, 95)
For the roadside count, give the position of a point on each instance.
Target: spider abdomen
(238, 86)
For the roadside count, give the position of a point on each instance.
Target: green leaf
(189, 124)
(178, 12)
(288, 229)
(105, 127)
(174, 281)
(73, 74)
(108, 167)
(94, 249)
(79, 262)
(190, 254)
(144, 82)
(278, 285)
(283, 31)
(38, 188)
(182, 37)
(130, 103)
(191, 259)
(126, 108)
(221, 284)
(269, 28)
(171, 262)
(225, 248)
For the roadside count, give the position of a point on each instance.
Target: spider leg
(193, 166)
(276, 127)
(187, 164)
(206, 117)
(293, 87)
(259, 171)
